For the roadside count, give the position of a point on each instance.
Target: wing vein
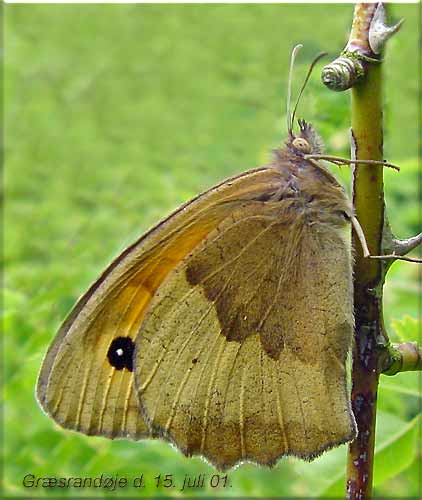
(210, 385)
(242, 413)
(104, 401)
(126, 405)
(279, 410)
(82, 397)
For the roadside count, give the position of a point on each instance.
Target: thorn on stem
(403, 247)
(379, 31)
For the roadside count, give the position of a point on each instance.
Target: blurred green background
(116, 114)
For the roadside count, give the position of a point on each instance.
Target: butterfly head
(308, 141)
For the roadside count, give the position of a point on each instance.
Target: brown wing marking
(190, 291)
(210, 371)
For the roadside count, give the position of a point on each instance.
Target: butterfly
(224, 329)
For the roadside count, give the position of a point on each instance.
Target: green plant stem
(403, 357)
(368, 198)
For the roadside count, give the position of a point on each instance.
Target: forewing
(242, 352)
(86, 381)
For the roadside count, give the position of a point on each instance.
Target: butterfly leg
(337, 160)
(367, 254)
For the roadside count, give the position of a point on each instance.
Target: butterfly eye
(302, 145)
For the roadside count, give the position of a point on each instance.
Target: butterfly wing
(86, 382)
(241, 355)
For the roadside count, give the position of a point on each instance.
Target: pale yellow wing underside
(242, 352)
(77, 385)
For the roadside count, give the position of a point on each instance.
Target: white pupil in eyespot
(119, 352)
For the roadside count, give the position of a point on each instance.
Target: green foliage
(117, 114)
(407, 329)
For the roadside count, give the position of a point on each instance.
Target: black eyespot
(120, 353)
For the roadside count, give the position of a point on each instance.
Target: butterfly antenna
(317, 58)
(289, 86)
